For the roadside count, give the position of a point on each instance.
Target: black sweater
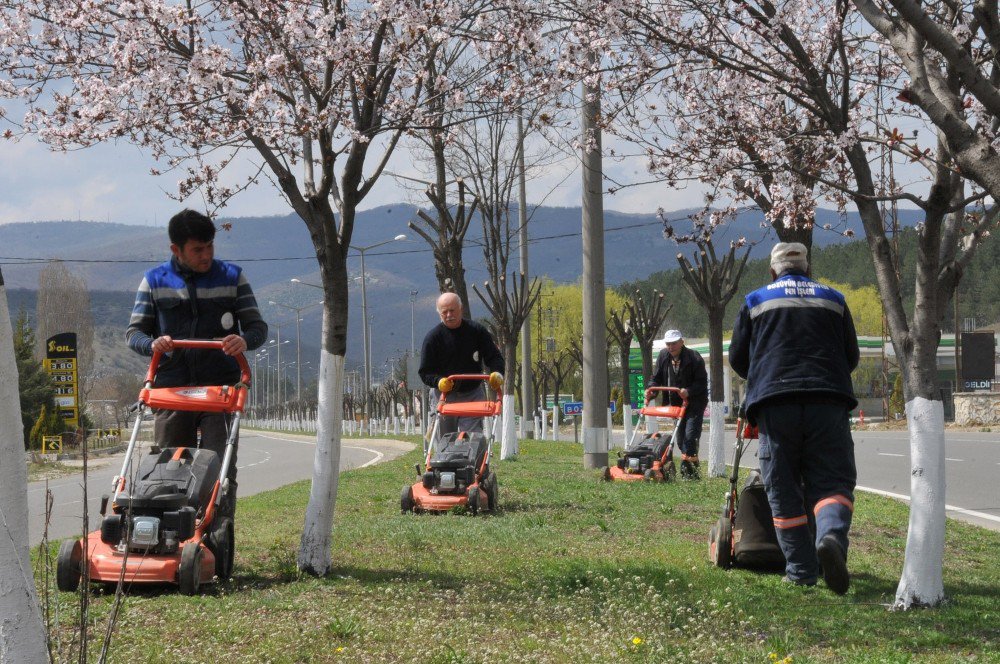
(463, 350)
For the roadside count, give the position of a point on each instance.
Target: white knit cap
(789, 256)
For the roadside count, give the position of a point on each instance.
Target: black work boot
(833, 559)
(686, 469)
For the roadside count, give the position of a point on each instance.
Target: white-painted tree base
(314, 548)
(921, 583)
(716, 439)
(22, 631)
(627, 420)
(508, 436)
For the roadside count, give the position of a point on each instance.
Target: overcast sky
(113, 183)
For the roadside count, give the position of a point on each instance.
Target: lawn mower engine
(640, 458)
(171, 487)
(454, 466)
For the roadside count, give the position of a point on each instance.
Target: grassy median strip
(571, 569)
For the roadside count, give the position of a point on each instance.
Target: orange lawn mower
(163, 527)
(652, 458)
(744, 535)
(457, 469)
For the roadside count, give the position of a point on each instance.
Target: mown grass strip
(570, 570)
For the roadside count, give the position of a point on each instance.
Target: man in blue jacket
(794, 342)
(194, 296)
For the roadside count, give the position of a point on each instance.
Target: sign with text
(61, 364)
(572, 408)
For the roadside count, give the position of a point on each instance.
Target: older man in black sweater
(459, 346)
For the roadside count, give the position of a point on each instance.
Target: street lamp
(298, 340)
(275, 386)
(364, 315)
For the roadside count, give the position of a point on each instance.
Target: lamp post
(298, 340)
(364, 315)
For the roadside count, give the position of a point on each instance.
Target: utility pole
(595, 361)
(527, 399)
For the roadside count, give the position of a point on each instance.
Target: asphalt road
(266, 461)
(972, 466)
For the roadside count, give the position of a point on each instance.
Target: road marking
(377, 458)
(378, 455)
(267, 457)
(949, 508)
(890, 454)
(286, 440)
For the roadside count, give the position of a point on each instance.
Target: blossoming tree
(817, 67)
(318, 93)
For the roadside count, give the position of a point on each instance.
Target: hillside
(273, 250)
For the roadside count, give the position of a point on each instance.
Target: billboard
(978, 360)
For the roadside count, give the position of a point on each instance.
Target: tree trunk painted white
(22, 631)
(921, 583)
(508, 433)
(314, 548)
(555, 422)
(652, 424)
(716, 439)
(627, 419)
(545, 426)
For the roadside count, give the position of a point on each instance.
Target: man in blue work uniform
(795, 344)
(194, 296)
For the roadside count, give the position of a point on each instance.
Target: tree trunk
(508, 432)
(921, 583)
(22, 630)
(646, 351)
(717, 398)
(508, 441)
(314, 548)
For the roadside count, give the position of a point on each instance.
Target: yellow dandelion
(636, 641)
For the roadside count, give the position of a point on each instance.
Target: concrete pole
(527, 398)
(366, 349)
(595, 361)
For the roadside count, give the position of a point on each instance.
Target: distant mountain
(273, 250)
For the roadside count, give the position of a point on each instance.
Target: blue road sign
(613, 406)
(573, 408)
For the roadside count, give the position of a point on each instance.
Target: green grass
(570, 570)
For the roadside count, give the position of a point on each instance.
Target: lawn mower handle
(650, 393)
(208, 344)
(454, 377)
